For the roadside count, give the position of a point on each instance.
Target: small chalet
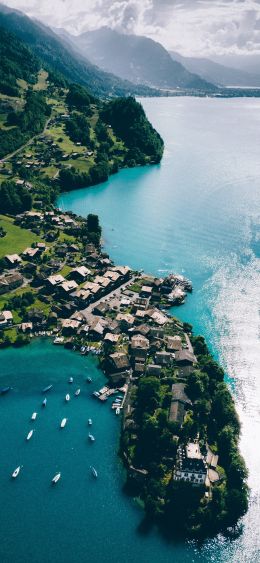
(13, 260)
(6, 319)
(185, 358)
(180, 403)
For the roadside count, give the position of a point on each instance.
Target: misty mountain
(248, 63)
(58, 56)
(138, 59)
(218, 73)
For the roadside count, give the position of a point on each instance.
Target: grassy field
(66, 145)
(42, 81)
(16, 239)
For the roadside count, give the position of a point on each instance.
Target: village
(82, 300)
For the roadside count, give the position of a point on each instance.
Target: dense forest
(129, 122)
(14, 199)
(17, 61)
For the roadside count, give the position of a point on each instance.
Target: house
(82, 296)
(54, 281)
(180, 403)
(126, 320)
(94, 288)
(13, 260)
(139, 368)
(123, 271)
(190, 466)
(6, 319)
(101, 309)
(159, 318)
(141, 303)
(80, 274)
(97, 328)
(113, 276)
(37, 317)
(26, 327)
(68, 286)
(111, 338)
(9, 282)
(185, 358)
(70, 325)
(41, 245)
(146, 291)
(31, 253)
(156, 332)
(103, 282)
(153, 369)
(139, 341)
(173, 343)
(118, 362)
(163, 358)
(142, 329)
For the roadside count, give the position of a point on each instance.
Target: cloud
(194, 27)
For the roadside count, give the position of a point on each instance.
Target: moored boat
(117, 410)
(46, 389)
(77, 392)
(29, 435)
(93, 471)
(34, 415)
(5, 390)
(90, 421)
(44, 402)
(91, 438)
(63, 422)
(89, 380)
(71, 380)
(16, 471)
(67, 398)
(56, 478)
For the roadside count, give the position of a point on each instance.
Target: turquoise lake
(196, 213)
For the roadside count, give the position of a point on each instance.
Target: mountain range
(137, 59)
(59, 57)
(220, 74)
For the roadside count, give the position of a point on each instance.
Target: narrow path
(10, 155)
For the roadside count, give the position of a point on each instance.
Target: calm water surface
(196, 213)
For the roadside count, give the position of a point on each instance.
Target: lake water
(196, 213)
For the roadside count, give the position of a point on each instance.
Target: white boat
(71, 380)
(91, 437)
(63, 422)
(67, 398)
(44, 402)
(117, 410)
(16, 471)
(77, 392)
(93, 471)
(29, 435)
(56, 478)
(90, 421)
(34, 415)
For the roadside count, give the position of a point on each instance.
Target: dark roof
(178, 393)
(185, 356)
(177, 412)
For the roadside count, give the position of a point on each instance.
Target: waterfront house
(190, 466)
(12, 260)
(180, 403)
(6, 319)
(123, 271)
(159, 318)
(118, 362)
(26, 327)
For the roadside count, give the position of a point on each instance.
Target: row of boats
(56, 477)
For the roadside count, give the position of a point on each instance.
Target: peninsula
(180, 429)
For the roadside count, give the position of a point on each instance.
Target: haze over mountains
(221, 74)
(136, 58)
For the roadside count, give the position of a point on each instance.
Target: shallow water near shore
(196, 213)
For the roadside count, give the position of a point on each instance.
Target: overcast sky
(192, 27)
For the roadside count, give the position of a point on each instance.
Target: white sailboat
(63, 422)
(16, 471)
(29, 435)
(56, 478)
(34, 415)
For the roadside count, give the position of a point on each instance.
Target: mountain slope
(59, 58)
(138, 59)
(217, 73)
(17, 62)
